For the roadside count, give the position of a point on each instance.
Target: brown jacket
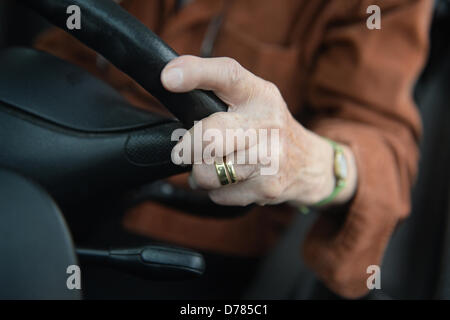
(340, 79)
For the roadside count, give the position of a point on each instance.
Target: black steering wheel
(79, 139)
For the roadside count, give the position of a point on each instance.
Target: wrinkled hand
(305, 162)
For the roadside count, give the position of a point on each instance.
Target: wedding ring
(231, 171)
(222, 173)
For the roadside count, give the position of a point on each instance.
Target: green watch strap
(339, 186)
(340, 174)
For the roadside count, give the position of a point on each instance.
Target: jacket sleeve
(360, 94)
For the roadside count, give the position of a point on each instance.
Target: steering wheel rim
(133, 48)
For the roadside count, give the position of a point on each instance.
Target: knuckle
(278, 107)
(278, 120)
(215, 120)
(214, 132)
(235, 70)
(221, 120)
(208, 123)
(203, 183)
(271, 190)
(271, 89)
(186, 59)
(270, 92)
(203, 180)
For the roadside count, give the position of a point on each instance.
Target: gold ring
(231, 171)
(222, 173)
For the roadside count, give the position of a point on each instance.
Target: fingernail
(172, 78)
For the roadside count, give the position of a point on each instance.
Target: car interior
(75, 155)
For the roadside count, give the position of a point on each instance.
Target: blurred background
(417, 263)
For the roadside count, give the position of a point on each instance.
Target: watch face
(340, 166)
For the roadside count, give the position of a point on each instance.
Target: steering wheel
(74, 134)
(77, 137)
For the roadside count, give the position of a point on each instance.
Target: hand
(304, 172)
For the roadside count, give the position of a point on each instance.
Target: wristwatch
(340, 170)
